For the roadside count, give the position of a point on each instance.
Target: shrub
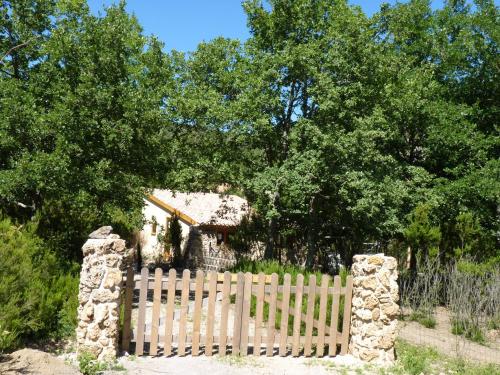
(468, 329)
(428, 321)
(473, 299)
(422, 292)
(89, 365)
(38, 297)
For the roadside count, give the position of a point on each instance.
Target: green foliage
(343, 129)
(415, 360)
(427, 320)
(469, 329)
(420, 233)
(340, 129)
(470, 267)
(38, 294)
(84, 97)
(89, 365)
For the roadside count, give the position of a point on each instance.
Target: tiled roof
(206, 208)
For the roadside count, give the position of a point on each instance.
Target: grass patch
(89, 365)
(468, 330)
(426, 319)
(238, 361)
(416, 360)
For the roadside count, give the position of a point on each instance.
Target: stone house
(207, 221)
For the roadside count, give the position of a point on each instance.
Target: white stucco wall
(150, 247)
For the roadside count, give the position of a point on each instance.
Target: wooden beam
(171, 209)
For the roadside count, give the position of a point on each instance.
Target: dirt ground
(35, 362)
(447, 343)
(30, 361)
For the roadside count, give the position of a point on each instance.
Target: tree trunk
(312, 232)
(271, 231)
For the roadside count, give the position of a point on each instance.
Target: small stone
(369, 283)
(369, 268)
(376, 260)
(102, 232)
(93, 332)
(91, 348)
(113, 279)
(104, 341)
(88, 312)
(93, 279)
(375, 314)
(106, 295)
(386, 342)
(113, 260)
(368, 355)
(100, 313)
(363, 314)
(370, 303)
(357, 302)
(365, 293)
(108, 354)
(384, 279)
(359, 258)
(390, 263)
(390, 310)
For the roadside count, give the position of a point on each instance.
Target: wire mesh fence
(454, 310)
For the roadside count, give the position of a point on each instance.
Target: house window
(220, 238)
(154, 224)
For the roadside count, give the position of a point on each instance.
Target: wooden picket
(212, 312)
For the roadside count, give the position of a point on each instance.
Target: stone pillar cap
(102, 232)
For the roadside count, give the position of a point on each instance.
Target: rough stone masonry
(105, 256)
(374, 308)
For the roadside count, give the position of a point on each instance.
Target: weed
(428, 321)
(89, 365)
(467, 329)
(238, 361)
(415, 360)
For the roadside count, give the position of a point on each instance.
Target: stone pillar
(374, 308)
(99, 295)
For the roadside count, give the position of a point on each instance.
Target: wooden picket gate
(241, 302)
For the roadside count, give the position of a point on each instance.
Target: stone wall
(205, 254)
(374, 308)
(105, 257)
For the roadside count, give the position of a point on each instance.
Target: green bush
(89, 365)
(38, 295)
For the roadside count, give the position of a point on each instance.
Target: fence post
(374, 308)
(99, 294)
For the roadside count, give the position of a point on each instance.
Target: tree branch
(13, 49)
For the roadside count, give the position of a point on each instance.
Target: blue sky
(182, 24)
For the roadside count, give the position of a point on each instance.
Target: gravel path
(244, 366)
